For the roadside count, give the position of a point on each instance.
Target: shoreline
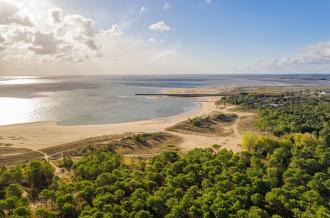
(39, 135)
(190, 110)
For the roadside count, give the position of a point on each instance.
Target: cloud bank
(312, 58)
(39, 37)
(12, 14)
(66, 37)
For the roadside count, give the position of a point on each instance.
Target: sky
(68, 37)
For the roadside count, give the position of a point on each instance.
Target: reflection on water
(16, 110)
(111, 99)
(22, 81)
(77, 101)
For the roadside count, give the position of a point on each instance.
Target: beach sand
(36, 136)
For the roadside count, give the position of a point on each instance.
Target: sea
(87, 100)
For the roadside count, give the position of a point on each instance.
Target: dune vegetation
(210, 124)
(274, 177)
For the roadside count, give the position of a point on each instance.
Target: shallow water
(111, 99)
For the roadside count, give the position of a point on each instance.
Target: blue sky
(221, 36)
(255, 28)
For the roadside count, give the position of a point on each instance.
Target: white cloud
(59, 42)
(69, 37)
(115, 30)
(12, 14)
(79, 26)
(152, 40)
(91, 44)
(18, 34)
(72, 38)
(56, 15)
(162, 54)
(160, 26)
(2, 39)
(166, 6)
(143, 9)
(44, 43)
(313, 57)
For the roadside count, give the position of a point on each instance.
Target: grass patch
(211, 124)
(144, 143)
(148, 143)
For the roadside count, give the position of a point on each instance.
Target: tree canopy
(286, 176)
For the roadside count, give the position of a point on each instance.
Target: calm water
(111, 99)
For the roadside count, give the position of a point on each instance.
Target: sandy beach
(45, 134)
(36, 136)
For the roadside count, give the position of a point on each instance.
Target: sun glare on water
(23, 81)
(16, 110)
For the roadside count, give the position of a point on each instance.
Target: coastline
(39, 135)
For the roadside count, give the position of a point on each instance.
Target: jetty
(186, 94)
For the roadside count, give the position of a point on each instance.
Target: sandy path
(57, 169)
